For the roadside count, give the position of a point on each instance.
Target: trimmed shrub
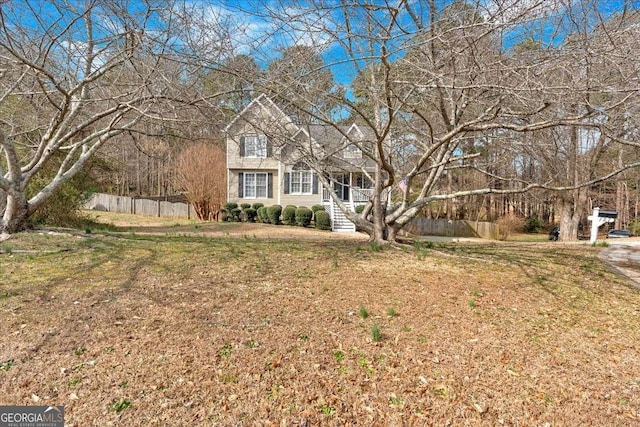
(235, 213)
(257, 206)
(245, 206)
(250, 215)
(274, 213)
(316, 208)
(289, 215)
(303, 216)
(230, 206)
(323, 221)
(359, 209)
(263, 216)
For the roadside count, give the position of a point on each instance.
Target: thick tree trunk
(570, 213)
(14, 216)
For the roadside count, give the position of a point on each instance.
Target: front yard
(194, 327)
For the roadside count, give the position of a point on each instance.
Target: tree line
(480, 109)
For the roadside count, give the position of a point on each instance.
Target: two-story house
(268, 162)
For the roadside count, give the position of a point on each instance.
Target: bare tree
(441, 83)
(201, 173)
(81, 74)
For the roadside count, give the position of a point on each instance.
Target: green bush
(230, 206)
(274, 213)
(533, 224)
(359, 209)
(257, 206)
(316, 208)
(323, 221)
(250, 215)
(303, 216)
(235, 214)
(263, 216)
(289, 215)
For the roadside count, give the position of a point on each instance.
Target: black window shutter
(270, 185)
(269, 148)
(241, 148)
(314, 181)
(240, 185)
(287, 177)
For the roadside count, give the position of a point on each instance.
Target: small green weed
(363, 312)
(334, 261)
(304, 337)
(119, 405)
(79, 351)
(124, 384)
(376, 335)
(251, 344)
(327, 410)
(339, 356)
(440, 391)
(601, 244)
(396, 401)
(225, 351)
(7, 249)
(391, 312)
(74, 381)
(5, 366)
(375, 247)
(472, 303)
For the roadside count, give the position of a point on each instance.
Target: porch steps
(339, 221)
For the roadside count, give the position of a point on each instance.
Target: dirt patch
(142, 329)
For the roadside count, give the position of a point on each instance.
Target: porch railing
(357, 194)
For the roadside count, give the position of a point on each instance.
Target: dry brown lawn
(196, 326)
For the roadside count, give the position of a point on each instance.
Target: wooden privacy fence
(459, 228)
(140, 206)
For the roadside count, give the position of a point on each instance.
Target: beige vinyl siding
(307, 200)
(234, 161)
(233, 187)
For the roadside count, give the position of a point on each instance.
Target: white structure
(597, 219)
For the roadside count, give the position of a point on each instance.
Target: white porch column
(595, 224)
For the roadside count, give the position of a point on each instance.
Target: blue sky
(540, 25)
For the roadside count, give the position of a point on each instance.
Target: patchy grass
(177, 328)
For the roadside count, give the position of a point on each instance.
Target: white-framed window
(255, 185)
(352, 152)
(255, 146)
(300, 182)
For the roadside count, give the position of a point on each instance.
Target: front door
(341, 185)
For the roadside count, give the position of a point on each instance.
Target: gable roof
(330, 139)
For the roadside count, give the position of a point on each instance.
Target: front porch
(353, 189)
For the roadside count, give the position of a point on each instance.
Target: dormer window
(256, 146)
(352, 152)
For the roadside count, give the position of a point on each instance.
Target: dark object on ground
(618, 234)
(554, 234)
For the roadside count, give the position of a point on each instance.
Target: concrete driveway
(623, 255)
